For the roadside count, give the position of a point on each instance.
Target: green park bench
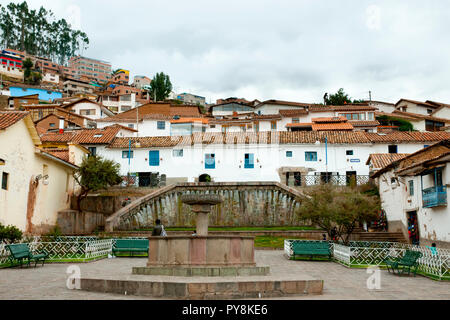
(131, 246)
(408, 261)
(311, 249)
(20, 252)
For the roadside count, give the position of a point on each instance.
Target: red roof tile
(381, 160)
(8, 118)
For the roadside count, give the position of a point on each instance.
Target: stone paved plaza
(49, 282)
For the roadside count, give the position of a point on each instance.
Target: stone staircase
(381, 236)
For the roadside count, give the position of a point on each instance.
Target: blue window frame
(154, 158)
(310, 156)
(289, 154)
(161, 125)
(210, 161)
(125, 155)
(249, 161)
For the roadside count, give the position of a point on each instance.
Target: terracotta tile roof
(405, 137)
(155, 111)
(416, 102)
(186, 111)
(320, 108)
(293, 113)
(286, 103)
(62, 154)
(364, 123)
(58, 137)
(431, 153)
(420, 116)
(344, 126)
(85, 136)
(329, 120)
(381, 160)
(96, 136)
(418, 159)
(299, 125)
(283, 137)
(8, 118)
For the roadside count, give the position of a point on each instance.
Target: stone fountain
(201, 254)
(203, 266)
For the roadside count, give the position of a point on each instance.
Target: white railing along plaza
(365, 253)
(65, 249)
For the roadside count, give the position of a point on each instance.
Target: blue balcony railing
(434, 196)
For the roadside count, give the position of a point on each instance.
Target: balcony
(434, 197)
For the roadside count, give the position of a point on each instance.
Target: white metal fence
(365, 253)
(65, 249)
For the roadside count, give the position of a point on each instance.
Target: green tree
(339, 98)
(96, 173)
(402, 124)
(160, 87)
(38, 32)
(27, 66)
(338, 208)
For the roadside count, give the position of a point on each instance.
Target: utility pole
(370, 96)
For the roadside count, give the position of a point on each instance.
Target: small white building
(413, 192)
(89, 109)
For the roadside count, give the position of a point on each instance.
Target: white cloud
(286, 49)
(373, 17)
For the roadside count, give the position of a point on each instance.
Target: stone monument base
(201, 251)
(202, 271)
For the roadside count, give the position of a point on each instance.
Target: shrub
(10, 233)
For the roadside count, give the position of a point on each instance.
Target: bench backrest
(410, 257)
(141, 243)
(132, 243)
(124, 243)
(19, 250)
(322, 247)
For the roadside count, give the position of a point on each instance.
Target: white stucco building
(413, 192)
(263, 156)
(35, 184)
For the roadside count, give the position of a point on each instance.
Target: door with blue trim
(154, 158)
(210, 161)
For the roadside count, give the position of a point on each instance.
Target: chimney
(61, 126)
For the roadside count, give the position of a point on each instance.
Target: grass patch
(271, 242)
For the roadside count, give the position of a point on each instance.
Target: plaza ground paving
(49, 282)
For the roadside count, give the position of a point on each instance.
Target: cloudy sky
(292, 50)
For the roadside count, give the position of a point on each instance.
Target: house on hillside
(152, 119)
(88, 108)
(413, 192)
(35, 183)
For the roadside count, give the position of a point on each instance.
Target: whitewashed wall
(397, 202)
(270, 157)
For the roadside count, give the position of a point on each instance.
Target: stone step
(206, 290)
(382, 236)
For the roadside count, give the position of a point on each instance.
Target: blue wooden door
(210, 161)
(154, 158)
